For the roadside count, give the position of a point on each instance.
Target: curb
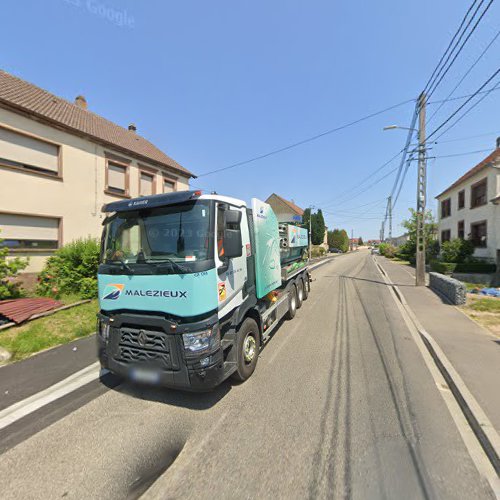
(483, 429)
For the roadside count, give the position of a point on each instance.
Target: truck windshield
(175, 234)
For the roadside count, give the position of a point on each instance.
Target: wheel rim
(300, 292)
(293, 303)
(249, 348)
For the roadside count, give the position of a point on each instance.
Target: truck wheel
(300, 293)
(306, 287)
(247, 354)
(292, 303)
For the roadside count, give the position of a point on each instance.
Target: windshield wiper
(177, 267)
(122, 263)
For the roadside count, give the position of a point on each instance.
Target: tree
(360, 241)
(409, 249)
(317, 228)
(305, 218)
(338, 239)
(8, 270)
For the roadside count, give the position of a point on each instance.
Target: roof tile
(38, 102)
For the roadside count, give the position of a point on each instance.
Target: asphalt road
(341, 406)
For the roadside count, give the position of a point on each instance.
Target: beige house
(469, 208)
(60, 162)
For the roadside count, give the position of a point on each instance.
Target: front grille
(144, 339)
(137, 346)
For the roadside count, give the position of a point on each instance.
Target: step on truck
(191, 286)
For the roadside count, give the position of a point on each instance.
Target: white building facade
(469, 209)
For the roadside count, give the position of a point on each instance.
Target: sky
(217, 83)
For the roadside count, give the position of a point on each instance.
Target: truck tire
(292, 303)
(300, 292)
(247, 350)
(306, 286)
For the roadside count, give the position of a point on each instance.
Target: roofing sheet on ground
(19, 310)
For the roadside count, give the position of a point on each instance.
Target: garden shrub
(387, 250)
(457, 250)
(9, 269)
(71, 270)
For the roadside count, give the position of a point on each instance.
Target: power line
(431, 91)
(304, 141)
(456, 98)
(464, 104)
(449, 45)
(411, 130)
(465, 75)
(469, 137)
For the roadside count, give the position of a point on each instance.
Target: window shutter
(116, 176)
(25, 227)
(28, 151)
(146, 184)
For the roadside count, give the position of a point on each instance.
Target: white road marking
(22, 408)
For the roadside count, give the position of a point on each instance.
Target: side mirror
(233, 246)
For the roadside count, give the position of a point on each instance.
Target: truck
(192, 285)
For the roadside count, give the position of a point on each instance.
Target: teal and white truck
(191, 285)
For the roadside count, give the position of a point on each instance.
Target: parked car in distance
(375, 251)
(335, 250)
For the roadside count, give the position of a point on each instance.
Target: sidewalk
(473, 351)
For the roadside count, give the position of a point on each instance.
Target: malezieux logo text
(179, 294)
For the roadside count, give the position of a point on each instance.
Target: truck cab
(177, 287)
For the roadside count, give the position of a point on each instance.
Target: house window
(478, 232)
(28, 153)
(146, 183)
(461, 229)
(461, 199)
(478, 194)
(29, 232)
(169, 186)
(116, 178)
(445, 235)
(446, 208)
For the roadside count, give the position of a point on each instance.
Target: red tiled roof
(495, 155)
(290, 204)
(19, 310)
(31, 99)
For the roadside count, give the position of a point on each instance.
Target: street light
(394, 127)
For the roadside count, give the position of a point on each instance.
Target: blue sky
(215, 83)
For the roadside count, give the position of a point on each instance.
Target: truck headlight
(103, 329)
(207, 340)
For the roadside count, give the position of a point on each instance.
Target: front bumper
(163, 353)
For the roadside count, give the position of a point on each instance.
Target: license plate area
(143, 375)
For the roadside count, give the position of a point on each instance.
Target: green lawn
(485, 305)
(59, 328)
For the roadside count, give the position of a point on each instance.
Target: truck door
(231, 269)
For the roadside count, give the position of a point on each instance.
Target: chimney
(498, 142)
(81, 102)
(132, 127)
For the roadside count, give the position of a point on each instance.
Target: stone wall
(454, 290)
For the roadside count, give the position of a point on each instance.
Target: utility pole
(382, 231)
(310, 229)
(352, 240)
(421, 193)
(389, 202)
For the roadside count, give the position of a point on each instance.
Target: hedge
(465, 267)
(443, 267)
(476, 267)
